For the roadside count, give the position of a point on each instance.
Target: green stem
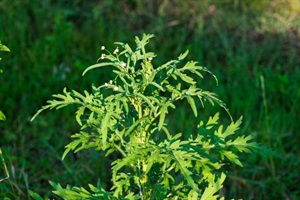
(120, 150)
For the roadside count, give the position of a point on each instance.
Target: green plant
(128, 117)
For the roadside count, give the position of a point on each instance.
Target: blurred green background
(252, 46)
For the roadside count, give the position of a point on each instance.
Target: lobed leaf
(79, 113)
(184, 170)
(231, 157)
(212, 188)
(232, 128)
(183, 56)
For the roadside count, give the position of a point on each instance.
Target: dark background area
(252, 46)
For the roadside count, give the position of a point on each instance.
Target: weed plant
(152, 161)
(247, 44)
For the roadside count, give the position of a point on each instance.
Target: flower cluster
(116, 51)
(110, 83)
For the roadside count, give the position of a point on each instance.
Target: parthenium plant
(130, 121)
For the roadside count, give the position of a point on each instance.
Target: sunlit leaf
(213, 187)
(183, 56)
(192, 104)
(97, 66)
(2, 116)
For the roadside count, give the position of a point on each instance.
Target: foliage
(127, 116)
(239, 40)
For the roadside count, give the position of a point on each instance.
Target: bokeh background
(252, 46)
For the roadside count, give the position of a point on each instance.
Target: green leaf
(182, 56)
(158, 86)
(35, 195)
(124, 101)
(2, 116)
(145, 40)
(192, 104)
(72, 145)
(3, 47)
(184, 170)
(104, 129)
(212, 121)
(97, 66)
(233, 127)
(120, 163)
(241, 143)
(163, 112)
(59, 102)
(186, 78)
(162, 116)
(212, 188)
(167, 133)
(79, 113)
(231, 157)
(193, 195)
(145, 99)
(212, 97)
(134, 125)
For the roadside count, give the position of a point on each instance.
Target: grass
(252, 46)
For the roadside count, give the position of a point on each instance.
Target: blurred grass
(252, 46)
